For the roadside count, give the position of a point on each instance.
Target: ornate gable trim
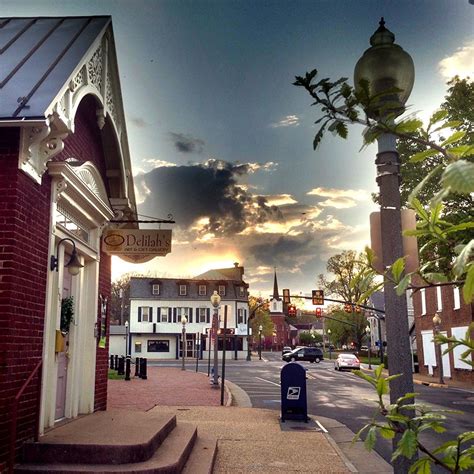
(96, 74)
(80, 188)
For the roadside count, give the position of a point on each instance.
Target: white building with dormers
(157, 306)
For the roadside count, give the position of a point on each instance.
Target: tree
(457, 208)
(120, 294)
(260, 316)
(349, 281)
(346, 327)
(310, 338)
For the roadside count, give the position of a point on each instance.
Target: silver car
(346, 361)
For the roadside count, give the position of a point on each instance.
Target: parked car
(311, 354)
(346, 361)
(286, 349)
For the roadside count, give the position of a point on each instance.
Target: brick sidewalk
(165, 386)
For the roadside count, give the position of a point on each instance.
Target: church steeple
(276, 303)
(276, 295)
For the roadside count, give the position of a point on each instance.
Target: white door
(61, 387)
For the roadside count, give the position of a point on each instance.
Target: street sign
(318, 297)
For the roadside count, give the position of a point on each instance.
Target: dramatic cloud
(288, 121)
(339, 198)
(220, 220)
(206, 198)
(187, 143)
(461, 63)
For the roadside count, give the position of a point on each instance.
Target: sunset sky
(221, 139)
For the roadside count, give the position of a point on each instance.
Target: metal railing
(14, 412)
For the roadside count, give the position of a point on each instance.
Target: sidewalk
(249, 439)
(431, 381)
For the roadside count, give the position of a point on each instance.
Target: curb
(229, 395)
(420, 382)
(431, 384)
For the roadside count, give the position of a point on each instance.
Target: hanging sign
(135, 245)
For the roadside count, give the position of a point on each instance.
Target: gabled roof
(47, 66)
(38, 56)
(140, 287)
(234, 273)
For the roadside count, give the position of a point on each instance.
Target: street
(341, 395)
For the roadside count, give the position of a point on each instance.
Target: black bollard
(112, 365)
(121, 366)
(137, 366)
(127, 368)
(143, 368)
(116, 362)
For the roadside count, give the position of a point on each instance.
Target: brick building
(281, 329)
(65, 174)
(455, 319)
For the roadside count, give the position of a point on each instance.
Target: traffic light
(318, 297)
(348, 308)
(357, 309)
(292, 310)
(319, 312)
(286, 296)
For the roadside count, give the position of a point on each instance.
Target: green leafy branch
(409, 420)
(341, 105)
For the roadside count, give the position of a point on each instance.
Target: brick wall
(24, 211)
(450, 318)
(24, 259)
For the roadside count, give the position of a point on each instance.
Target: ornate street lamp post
(439, 358)
(215, 301)
(126, 338)
(386, 66)
(260, 328)
(183, 338)
(369, 343)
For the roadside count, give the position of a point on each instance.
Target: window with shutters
(183, 291)
(146, 311)
(201, 315)
(155, 289)
(221, 290)
(202, 290)
(182, 312)
(164, 315)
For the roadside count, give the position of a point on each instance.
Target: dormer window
(221, 290)
(183, 290)
(155, 289)
(202, 290)
(241, 291)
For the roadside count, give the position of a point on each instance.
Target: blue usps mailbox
(293, 392)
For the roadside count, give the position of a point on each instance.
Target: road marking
(264, 380)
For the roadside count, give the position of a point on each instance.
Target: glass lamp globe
(385, 65)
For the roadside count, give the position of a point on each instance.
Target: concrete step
(170, 458)
(203, 456)
(106, 437)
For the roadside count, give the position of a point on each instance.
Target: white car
(346, 361)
